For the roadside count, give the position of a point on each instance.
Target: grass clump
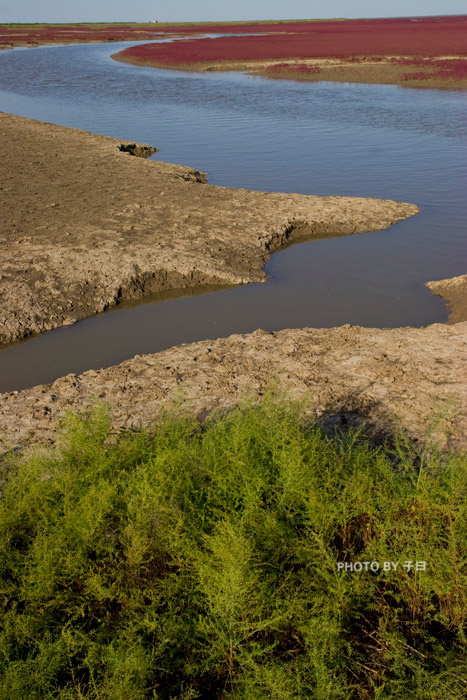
(202, 561)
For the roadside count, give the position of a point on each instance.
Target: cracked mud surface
(86, 225)
(393, 377)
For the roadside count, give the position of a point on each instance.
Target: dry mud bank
(409, 377)
(86, 225)
(454, 291)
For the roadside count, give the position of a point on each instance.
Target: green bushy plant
(201, 561)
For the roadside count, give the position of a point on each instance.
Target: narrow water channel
(321, 138)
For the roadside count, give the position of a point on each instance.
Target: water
(319, 138)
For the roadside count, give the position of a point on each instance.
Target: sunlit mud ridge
(414, 378)
(454, 291)
(85, 226)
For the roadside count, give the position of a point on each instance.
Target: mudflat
(424, 73)
(86, 225)
(410, 378)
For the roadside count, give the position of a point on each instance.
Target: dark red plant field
(427, 37)
(19, 35)
(411, 50)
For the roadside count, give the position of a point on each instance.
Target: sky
(216, 10)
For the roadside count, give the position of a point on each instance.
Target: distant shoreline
(423, 52)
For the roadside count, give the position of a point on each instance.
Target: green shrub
(201, 561)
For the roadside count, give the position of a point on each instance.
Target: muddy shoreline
(409, 378)
(454, 292)
(87, 225)
(367, 70)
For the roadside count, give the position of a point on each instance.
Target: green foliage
(200, 561)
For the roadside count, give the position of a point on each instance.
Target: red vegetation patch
(430, 36)
(447, 68)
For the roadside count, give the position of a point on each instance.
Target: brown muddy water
(318, 138)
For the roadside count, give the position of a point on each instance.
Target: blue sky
(212, 10)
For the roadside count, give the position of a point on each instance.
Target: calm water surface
(319, 138)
